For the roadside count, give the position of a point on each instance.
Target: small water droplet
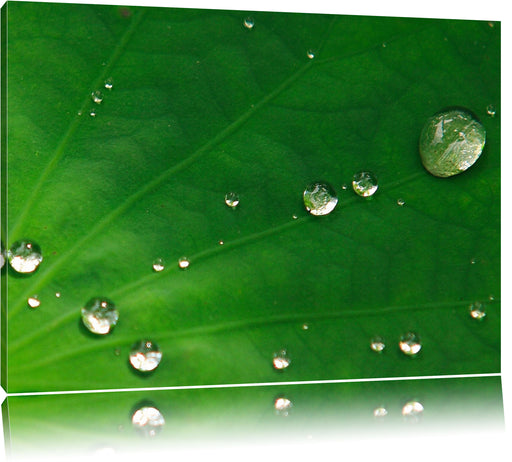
(451, 142)
(100, 315)
(158, 265)
(473, 261)
(412, 411)
(148, 421)
(491, 298)
(282, 406)
(477, 311)
(281, 360)
(33, 302)
(221, 242)
(305, 326)
(2, 255)
(92, 114)
(410, 344)
(97, 96)
(145, 356)
(24, 256)
(380, 411)
(491, 110)
(294, 217)
(365, 184)
(183, 262)
(117, 352)
(249, 23)
(57, 294)
(344, 186)
(310, 54)
(320, 199)
(232, 199)
(377, 344)
(109, 83)
(400, 202)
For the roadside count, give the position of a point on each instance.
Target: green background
(201, 106)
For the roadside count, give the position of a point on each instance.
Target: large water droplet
(281, 360)
(25, 256)
(97, 96)
(282, 406)
(377, 344)
(320, 199)
(365, 184)
(412, 411)
(249, 23)
(33, 302)
(232, 199)
(145, 356)
(451, 142)
(100, 315)
(148, 420)
(477, 311)
(158, 265)
(410, 344)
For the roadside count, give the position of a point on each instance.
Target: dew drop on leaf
(145, 356)
(25, 256)
(248, 23)
(148, 420)
(491, 110)
(183, 262)
(477, 311)
(281, 360)
(232, 199)
(310, 54)
(109, 83)
(158, 265)
(97, 96)
(33, 302)
(451, 142)
(100, 315)
(377, 344)
(400, 202)
(364, 184)
(410, 344)
(320, 199)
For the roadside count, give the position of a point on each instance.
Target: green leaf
(200, 106)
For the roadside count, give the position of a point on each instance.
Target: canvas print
(210, 198)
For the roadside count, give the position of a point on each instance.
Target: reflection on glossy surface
(53, 426)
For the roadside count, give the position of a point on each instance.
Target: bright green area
(201, 106)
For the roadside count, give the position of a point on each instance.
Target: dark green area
(201, 106)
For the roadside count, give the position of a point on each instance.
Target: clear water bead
(148, 420)
(365, 184)
(281, 360)
(97, 96)
(377, 344)
(24, 256)
(145, 356)
(410, 344)
(310, 54)
(320, 199)
(400, 202)
(158, 265)
(477, 311)
(33, 302)
(232, 199)
(282, 406)
(183, 262)
(249, 23)
(109, 83)
(451, 142)
(100, 315)
(491, 110)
